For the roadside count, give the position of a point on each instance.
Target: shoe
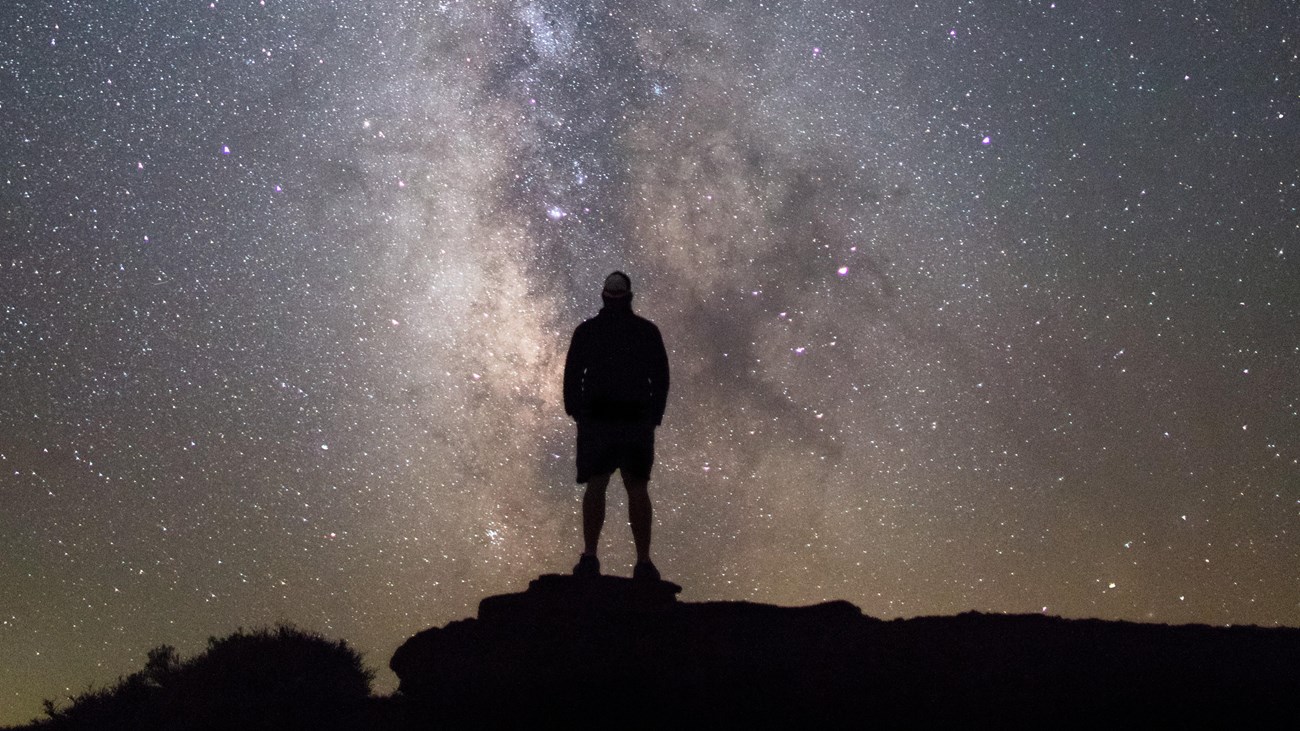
(646, 572)
(588, 566)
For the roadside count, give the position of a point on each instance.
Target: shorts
(607, 446)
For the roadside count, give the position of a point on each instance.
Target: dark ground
(609, 652)
(605, 652)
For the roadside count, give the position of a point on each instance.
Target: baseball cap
(618, 284)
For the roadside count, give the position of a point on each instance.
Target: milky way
(969, 305)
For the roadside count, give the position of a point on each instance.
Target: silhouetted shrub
(281, 678)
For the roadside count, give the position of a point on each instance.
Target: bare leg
(639, 514)
(593, 512)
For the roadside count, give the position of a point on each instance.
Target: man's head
(617, 286)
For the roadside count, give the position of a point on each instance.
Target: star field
(969, 305)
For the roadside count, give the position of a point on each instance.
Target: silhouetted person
(616, 388)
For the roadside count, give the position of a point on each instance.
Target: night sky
(969, 305)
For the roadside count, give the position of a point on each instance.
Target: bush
(281, 678)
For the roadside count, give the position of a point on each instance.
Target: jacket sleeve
(658, 376)
(575, 363)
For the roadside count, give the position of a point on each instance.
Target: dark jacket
(617, 368)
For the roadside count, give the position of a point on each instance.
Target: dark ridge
(612, 652)
(608, 651)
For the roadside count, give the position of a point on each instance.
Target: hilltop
(608, 651)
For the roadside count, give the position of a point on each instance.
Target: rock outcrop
(608, 651)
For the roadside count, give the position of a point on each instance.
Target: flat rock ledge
(609, 650)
